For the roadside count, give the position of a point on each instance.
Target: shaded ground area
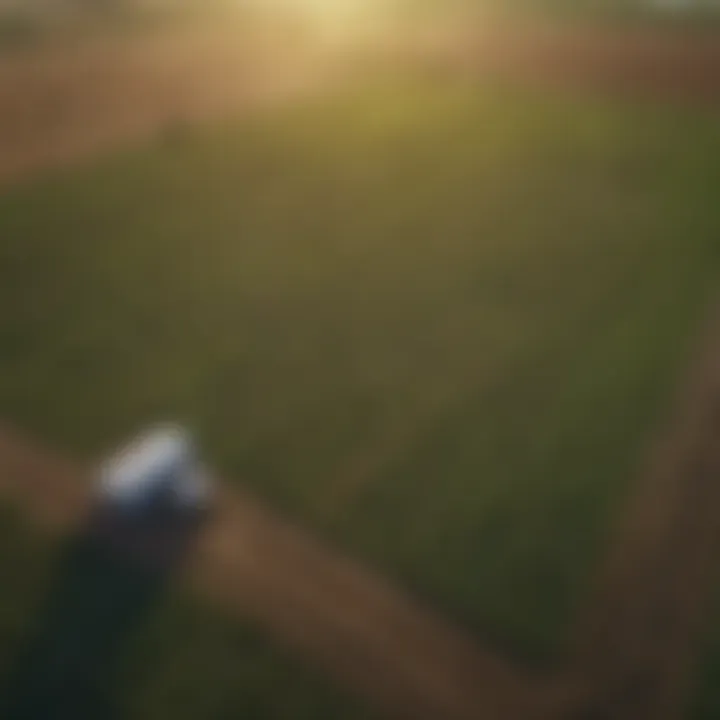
(109, 577)
(365, 633)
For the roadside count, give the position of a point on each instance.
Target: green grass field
(436, 323)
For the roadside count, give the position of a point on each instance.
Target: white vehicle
(159, 468)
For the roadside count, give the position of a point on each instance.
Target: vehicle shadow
(110, 576)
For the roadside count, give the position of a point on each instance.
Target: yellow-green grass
(436, 322)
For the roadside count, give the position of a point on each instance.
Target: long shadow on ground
(110, 576)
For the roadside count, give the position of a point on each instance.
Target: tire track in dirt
(364, 632)
(636, 642)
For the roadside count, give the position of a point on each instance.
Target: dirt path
(366, 633)
(64, 103)
(637, 640)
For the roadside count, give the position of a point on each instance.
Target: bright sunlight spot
(336, 19)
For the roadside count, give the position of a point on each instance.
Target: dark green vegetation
(436, 323)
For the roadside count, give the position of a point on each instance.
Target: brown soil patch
(63, 103)
(362, 629)
(637, 640)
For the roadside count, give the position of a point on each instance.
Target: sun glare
(337, 19)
